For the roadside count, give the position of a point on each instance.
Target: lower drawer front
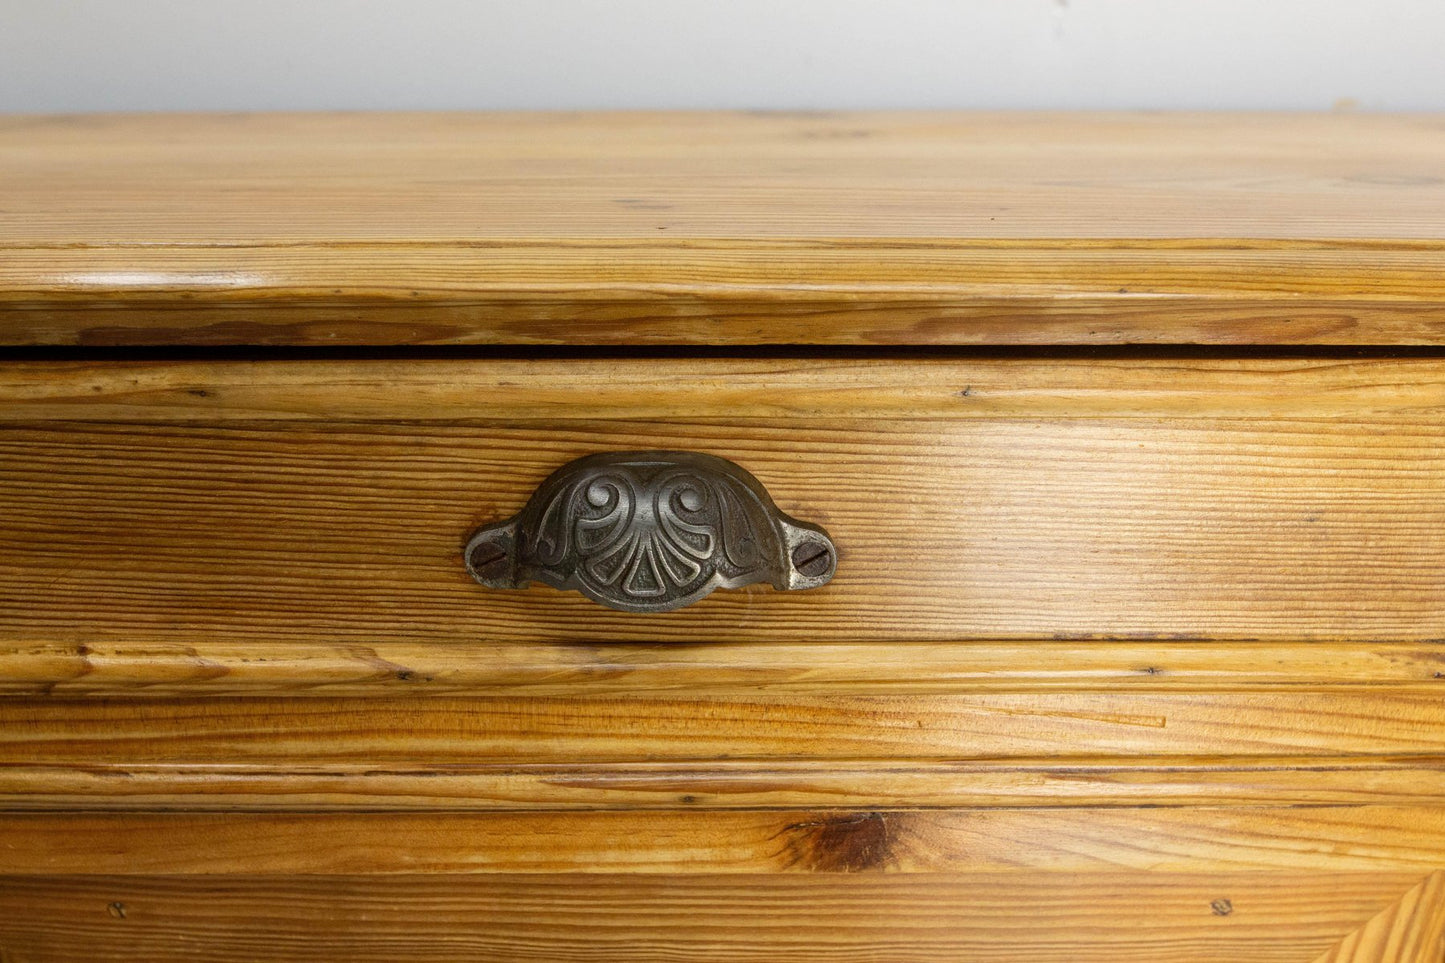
(1112, 917)
(1124, 660)
(379, 887)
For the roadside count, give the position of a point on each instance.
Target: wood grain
(1411, 930)
(722, 229)
(156, 669)
(813, 390)
(1121, 917)
(1142, 500)
(1329, 840)
(390, 734)
(1129, 658)
(725, 784)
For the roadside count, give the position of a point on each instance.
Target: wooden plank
(1310, 507)
(157, 669)
(527, 730)
(1411, 930)
(1281, 917)
(725, 784)
(814, 390)
(424, 178)
(1085, 840)
(866, 228)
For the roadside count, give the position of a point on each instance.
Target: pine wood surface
(280, 785)
(722, 229)
(154, 669)
(1411, 930)
(1120, 917)
(1129, 658)
(388, 734)
(245, 677)
(228, 503)
(962, 842)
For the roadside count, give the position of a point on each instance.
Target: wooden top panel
(446, 178)
(907, 228)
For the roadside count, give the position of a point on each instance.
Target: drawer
(733, 919)
(1098, 499)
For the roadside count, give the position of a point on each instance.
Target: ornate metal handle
(650, 531)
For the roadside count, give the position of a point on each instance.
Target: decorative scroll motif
(650, 532)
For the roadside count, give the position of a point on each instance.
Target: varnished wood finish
(232, 503)
(154, 669)
(722, 229)
(1078, 839)
(1221, 916)
(1134, 657)
(812, 391)
(281, 784)
(398, 734)
(1411, 930)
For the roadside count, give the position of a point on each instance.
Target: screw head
(812, 559)
(488, 560)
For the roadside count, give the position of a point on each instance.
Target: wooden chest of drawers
(1001, 538)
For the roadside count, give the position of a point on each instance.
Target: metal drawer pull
(650, 531)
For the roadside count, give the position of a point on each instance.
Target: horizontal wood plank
(1140, 500)
(424, 178)
(725, 785)
(156, 669)
(1139, 917)
(1084, 840)
(862, 228)
(397, 733)
(814, 390)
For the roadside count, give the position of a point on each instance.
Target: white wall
(68, 55)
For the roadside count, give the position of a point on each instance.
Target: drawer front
(224, 889)
(1144, 500)
(1124, 659)
(1115, 917)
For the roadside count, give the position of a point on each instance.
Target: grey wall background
(87, 55)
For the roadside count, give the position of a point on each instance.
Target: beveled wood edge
(733, 784)
(720, 291)
(103, 668)
(786, 269)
